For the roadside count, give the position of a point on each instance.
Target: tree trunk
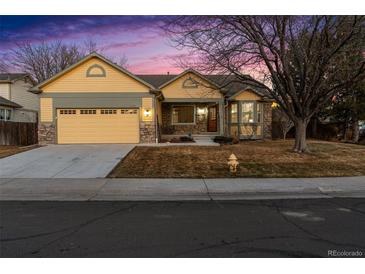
(355, 130)
(300, 144)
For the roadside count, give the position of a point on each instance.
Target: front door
(212, 119)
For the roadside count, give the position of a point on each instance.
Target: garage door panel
(76, 128)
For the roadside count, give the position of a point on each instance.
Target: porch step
(203, 138)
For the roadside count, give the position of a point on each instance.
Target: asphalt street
(266, 228)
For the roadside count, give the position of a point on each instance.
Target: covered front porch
(192, 117)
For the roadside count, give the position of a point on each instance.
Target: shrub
(223, 140)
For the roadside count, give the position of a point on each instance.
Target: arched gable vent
(95, 71)
(190, 83)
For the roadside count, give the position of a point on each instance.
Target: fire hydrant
(232, 163)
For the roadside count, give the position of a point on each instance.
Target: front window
(234, 113)
(248, 113)
(183, 115)
(246, 119)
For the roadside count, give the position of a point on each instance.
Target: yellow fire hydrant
(232, 163)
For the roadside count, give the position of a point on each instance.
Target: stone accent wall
(267, 121)
(147, 132)
(46, 133)
(200, 126)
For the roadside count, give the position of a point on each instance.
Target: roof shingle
(12, 76)
(230, 82)
(8, 103)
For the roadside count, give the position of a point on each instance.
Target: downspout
(156, 117)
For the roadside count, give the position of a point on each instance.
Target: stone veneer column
(46, 133)
(267, 120)
(147, 131)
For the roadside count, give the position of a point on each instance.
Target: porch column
(221, 117)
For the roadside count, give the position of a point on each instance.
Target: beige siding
(147, 105)
(247, 95)
(76, 80)
(21, 95)
(46, 110)
(97, 128)
(25, 116)
(4, 90)
(176, 89)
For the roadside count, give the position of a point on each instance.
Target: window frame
(240, 122)
(242, 113)
(10, 112)
(67, 111)
(5, 114)
(108, 111)
(88, 111)
(177, 123)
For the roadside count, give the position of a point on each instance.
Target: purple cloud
(137, 37)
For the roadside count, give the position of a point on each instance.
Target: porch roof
(193, 100)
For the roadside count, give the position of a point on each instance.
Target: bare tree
(285, 123)
(4, 68)
(44, 60)
(296, 59)
(92, 46)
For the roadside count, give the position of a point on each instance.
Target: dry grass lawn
(256, 158)
(6, 151)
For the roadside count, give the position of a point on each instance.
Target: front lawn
(6, 151)
(256, 158)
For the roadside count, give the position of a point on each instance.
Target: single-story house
(96, 101)
(17, 103)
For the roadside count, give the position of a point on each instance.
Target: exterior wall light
(202, 111)
(147, 113)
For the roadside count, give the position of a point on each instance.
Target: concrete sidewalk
(57, 189)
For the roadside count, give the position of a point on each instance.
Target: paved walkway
(64, 161)
(58, 189)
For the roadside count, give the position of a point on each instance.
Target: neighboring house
(96, 101)
(17, 103)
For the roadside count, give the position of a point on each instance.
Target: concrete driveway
(64, 161)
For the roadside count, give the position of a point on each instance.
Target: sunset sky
(137, 37)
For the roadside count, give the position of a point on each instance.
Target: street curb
(178, 189)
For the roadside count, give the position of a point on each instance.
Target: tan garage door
(92, 126)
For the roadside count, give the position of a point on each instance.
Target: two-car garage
(95, 101)
(94, 125)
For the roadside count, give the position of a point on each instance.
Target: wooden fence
(18, 134)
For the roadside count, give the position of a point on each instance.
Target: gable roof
(8, 103)
(231, 84)
(157, 79)
(38, 87)
(186, 72)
